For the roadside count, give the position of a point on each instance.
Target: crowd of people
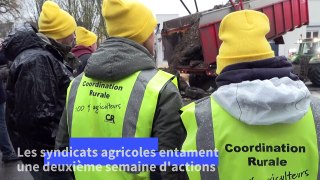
(56, 67)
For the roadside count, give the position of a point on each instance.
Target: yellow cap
(85, 37)
(243, 35)
(55, 22)
(128, 19)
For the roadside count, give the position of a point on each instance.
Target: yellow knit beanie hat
(85, 37)
(55, 22)
(128, 19)
(243, 35)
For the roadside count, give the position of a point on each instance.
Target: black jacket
(36, 89)
(3, 71)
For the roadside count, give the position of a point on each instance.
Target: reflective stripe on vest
(123, 108)
(280, 151)
(198, 123)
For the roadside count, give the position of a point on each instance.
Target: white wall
(314, 13)
(290, 40)
(158, 41)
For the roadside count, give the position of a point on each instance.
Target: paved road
(314, 90)
(9, 171)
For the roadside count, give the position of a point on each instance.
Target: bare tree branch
(8, 5)
(86, 13)
(9, 9)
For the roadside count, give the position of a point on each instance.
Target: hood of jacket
(117, 58)
(26, 37)
(21, 40)
(265, 102)
(81, 50)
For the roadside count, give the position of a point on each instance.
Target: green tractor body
(306, 61)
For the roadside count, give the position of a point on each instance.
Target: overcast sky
(175, 6)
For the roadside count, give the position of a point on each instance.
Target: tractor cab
(309, 47)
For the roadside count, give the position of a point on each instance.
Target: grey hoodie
(267, 102)
(118, 58)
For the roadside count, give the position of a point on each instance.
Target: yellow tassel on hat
(85, 37)
(55, 22)
(243, 35)
(128, 19)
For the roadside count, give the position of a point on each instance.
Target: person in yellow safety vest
(121, 93)
(261, 119)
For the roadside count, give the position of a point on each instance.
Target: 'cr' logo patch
(110, 118)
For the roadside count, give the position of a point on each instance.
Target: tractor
(306, 61)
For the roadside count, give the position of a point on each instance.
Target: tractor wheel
(314, 74)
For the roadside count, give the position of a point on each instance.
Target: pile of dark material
(186, 51)
(188, 47)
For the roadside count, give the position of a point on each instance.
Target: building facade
(313, 29)
(310, 31)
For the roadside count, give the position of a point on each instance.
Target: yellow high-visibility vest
(123, 108)
(247, 152)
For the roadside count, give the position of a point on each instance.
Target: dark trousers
(5, 144)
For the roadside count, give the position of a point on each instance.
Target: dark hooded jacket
(3, 75)
(36, 89)
(118, 58)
